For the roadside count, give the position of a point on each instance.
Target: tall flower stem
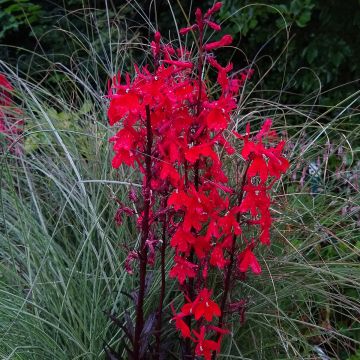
(229, 268)
(188, 351)
(145, 229)
(163, 284)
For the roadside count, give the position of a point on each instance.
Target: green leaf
(303, 19)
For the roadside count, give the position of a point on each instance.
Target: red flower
(132, 256)
(205, 347)
(224, 41)
(258, 166)
(256, 200)
(228, 222)
(182, 240)
(5, 90)
(180, 323)
(184, 31)
(195, 152)
(181, 64)
(168, 171)
(256, 152)
(247, 259)
(11, 121)
(217, 6)
(183, 269)
(278, 164)
(217, 113)
(201, 246)
(125, 146)
(120, 106)
(217, 257)
(178, 199)
(197, 207)
(216, 119)
(202, 306)
(213, 25)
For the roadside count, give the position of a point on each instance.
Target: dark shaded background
(323, 36)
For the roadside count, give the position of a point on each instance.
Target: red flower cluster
(10, 123)
(173, 106)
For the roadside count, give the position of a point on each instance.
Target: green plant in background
(65, 121)
(56, 33)
(316, 36)
(320, 35)
(15, 14)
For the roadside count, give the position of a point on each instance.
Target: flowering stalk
(184, 127)
(200, 65)
(229, 269)
(144, 237)
(163, 284)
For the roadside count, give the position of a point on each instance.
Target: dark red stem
(163, 285)
(145, 229)
(229, 268)
(200, 70)
(188, 352)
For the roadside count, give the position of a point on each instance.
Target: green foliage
(246, 17)
(63, 120)
(57, 33)
(16, 13)
(315, 38)
(318, 36)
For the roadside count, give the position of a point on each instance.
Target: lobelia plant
(11, 123)
(174, 131)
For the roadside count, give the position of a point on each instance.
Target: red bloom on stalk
(224, 41)
(168, 171)
(5, 90)
(183, 269)
(217, 6)
(132, 256)
(180, 323)
(11, 121)
(265, 161)
(258, 167)
(183, 240)
(202, 306)
(217, 257)
(278, 164)
(126, 142)
(194, 153)
(228, 222)
(247, 260)
(124, 105)
(256, 200)
(205, 347)
(217, 113)
(155, 45)
(173, 130)
(184, 31)
(197, 207)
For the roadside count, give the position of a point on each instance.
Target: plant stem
(188, 352)
(163, 285)
(229, 268)
(145, 229)
(200, 70)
